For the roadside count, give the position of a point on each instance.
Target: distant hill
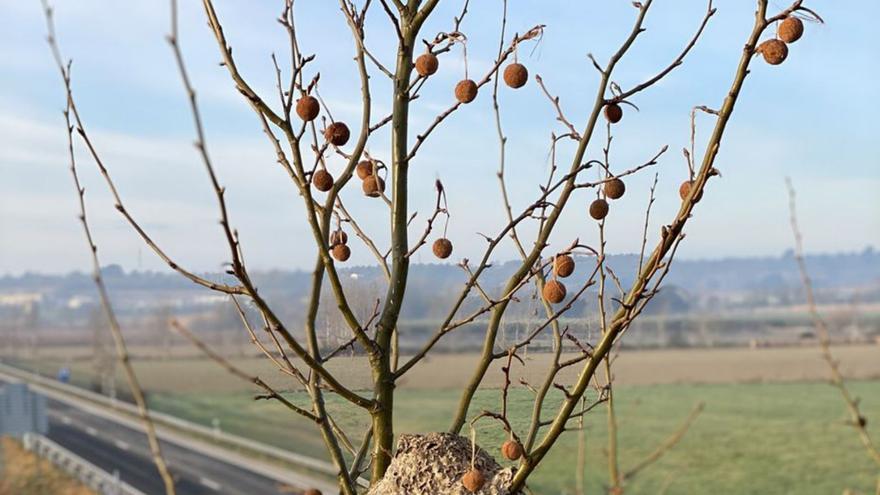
(731, 301)
(691, 284)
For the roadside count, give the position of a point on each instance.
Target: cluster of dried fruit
(614, 189)
(775, 50)
(339, 245)
(368, 172)
(554, 291)
(474, 479)
(515, 75)
(307, 108)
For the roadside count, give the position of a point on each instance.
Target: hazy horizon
(432, 262)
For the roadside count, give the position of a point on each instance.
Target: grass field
(632, 367)
(758, 438)
(771, 424)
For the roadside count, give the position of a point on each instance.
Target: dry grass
(25, 474)
(633, 367)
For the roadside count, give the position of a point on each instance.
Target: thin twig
(857, 419)
(115, 329)
(237, 372)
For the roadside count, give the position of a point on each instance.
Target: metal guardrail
(318, 465)
(87, 473)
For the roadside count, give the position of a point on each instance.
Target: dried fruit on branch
(337, 134)
(341, 252)
(685, 190)
(563, 265)
(791, 29)
(774, 51)
(554, 292)
(615, 188)
(442, 248)
(466, 91)
(338, 237)
(322, 180)
(308, 108)
(512, 450)
(427, 64)
(364, 169)
(516, 75)
(373, 186)
(473, 480)
(599, 209)
(613, 113)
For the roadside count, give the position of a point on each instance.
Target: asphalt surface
(117, 448)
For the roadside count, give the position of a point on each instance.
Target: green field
(751, 439)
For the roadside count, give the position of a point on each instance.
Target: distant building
(22, 411)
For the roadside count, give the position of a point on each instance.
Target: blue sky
(812, 118)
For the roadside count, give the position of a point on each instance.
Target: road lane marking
(120, 444)
(213, 485)
(91, 431)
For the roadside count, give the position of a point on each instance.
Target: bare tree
(303, 145)
(856, 419)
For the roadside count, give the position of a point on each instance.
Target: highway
(118, 446)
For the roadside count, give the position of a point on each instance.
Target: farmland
(770, 425)
(756, 438)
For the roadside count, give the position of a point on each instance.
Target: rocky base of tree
(435, 463)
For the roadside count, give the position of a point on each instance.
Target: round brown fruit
(466, 91)
(613, 113)
(337, 133)
(427, 64)
(364, 169)
(563, 265)
(442, 248)
(516, 75)
(373, 186)
(615, 188)
(599, 209)
(790, 30)
(308, 108)
(322, 180)
(685, 190)
(473, 480)
(554, 291)
(774, 51)
(341, 252)
(312, 491)
(338, 237)
(511, 450)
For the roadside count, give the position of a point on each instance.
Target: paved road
(118, 448)
(115, 447)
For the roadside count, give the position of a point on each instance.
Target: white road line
(213, 485)
(91, 431)
(120, 444)
(66, 420)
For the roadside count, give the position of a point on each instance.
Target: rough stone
(434, 463)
